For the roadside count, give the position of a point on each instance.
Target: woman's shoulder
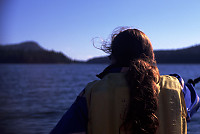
(169, 82)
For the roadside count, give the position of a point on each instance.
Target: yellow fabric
(108, 98)
(172, 110)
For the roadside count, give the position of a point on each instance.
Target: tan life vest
(172, 110)
(108, 98)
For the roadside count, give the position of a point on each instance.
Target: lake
(33, 97)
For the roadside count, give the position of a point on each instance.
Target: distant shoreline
(32, 53)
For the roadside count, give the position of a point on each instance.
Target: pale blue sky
(69, 25)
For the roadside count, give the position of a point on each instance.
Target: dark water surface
(33, 97)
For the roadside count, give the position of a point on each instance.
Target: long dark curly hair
(132, 48)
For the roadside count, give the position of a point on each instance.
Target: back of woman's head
(132, 48)
(129, 45)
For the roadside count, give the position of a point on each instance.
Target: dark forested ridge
(185, 55)
(30, 52)
(190, 55)
(99, 60)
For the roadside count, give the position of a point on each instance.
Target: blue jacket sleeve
(74, 120)
(191, 97)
